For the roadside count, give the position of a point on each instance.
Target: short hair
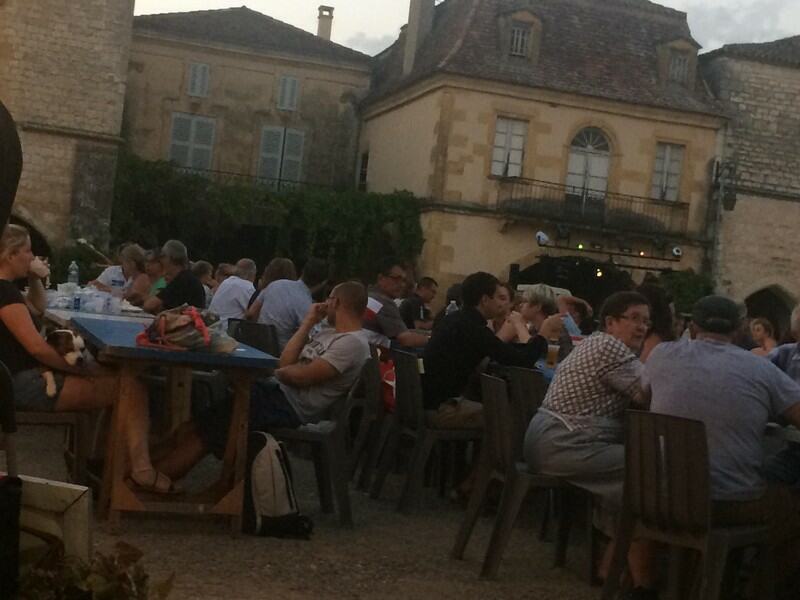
(315, 272)
(134, 253)
(152, 255)
(454, 294)
(427, 282)
(12, 239)
(175, 252)
(225, 269)
(278, 268)
(546, 303)
(769, 329)
(616, 305)
(246, 268)
(201, 268)
(387, 263)
(353, 296)
(478, 285)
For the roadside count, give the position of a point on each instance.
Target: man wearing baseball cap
(735, 394)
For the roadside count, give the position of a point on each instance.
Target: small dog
(70, 346)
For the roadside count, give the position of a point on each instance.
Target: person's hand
(39, 268)
(551, 327)
(316, 313)
(517, 320)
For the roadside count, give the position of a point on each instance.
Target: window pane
(179, 154)
(201, 158)
(181, 128)
(269, 167)
(203, 132)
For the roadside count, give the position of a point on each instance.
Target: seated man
(182, 286)
(784, 467)
(231, 298)
(461, 341)
(315, 371)
(414, 309)
(204, 272)
(285, 302)
(382, 320)
(735, 393)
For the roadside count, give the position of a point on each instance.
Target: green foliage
(116, 576)
(60, 260)
(224, 221)
(686, 287)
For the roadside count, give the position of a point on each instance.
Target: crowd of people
(633, 352)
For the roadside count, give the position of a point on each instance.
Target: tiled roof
(601, 48)
(784, 52)
(248, 29)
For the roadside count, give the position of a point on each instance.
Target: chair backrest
(667, 472)
(409, 407)
(371, 384)
(8, 421)
(526, 389)
(256, 335)
(498, 429)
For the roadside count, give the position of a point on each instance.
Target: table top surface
(117, 340)
(64, 317)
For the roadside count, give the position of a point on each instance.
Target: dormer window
(520, 39)
(678, 66)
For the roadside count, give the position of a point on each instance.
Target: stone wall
(63, 68)
(756, 243)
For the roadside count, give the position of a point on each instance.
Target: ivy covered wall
(224, 221)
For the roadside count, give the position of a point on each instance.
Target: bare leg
(640, 562)
(84, 393)
(189, 450)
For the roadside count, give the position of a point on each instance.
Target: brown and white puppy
(70, 346)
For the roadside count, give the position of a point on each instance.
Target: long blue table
(115, 342)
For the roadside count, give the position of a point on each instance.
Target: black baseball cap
(716, 314)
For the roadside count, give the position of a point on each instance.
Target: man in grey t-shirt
(735, 394)
(314, 372)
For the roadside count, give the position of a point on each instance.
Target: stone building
(237, 92)
(757, 259)
(584, 120)
(62, 75)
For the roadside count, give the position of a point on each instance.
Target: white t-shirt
(114, 277)
(231, 298)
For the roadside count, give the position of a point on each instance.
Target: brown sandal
(158, 482)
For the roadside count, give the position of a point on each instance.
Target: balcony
(589, 208)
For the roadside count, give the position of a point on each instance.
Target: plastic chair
(365, 444)
(328, 447)
(256, 335)
(667, 499)
(409, 421)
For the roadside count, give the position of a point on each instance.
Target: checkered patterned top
(598, 379)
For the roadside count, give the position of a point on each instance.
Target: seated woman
(577, 433)
(27, 354)
(136, 284)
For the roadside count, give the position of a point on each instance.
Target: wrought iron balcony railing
(592, 208)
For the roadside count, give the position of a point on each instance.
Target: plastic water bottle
(73, 273)
(451, 308)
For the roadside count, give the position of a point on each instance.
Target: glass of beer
(552, 354)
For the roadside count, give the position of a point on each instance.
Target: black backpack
(270, 506)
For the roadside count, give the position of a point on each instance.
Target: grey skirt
(590, 456)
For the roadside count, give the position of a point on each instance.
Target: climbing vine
(226, 220)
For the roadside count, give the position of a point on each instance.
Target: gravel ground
(386, 555)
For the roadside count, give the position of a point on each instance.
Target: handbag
(186, 328)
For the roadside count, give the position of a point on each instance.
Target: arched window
(587, 172)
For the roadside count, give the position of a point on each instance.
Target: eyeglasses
(637, 320)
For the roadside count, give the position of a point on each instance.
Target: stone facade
(62, 75)
(756, 251)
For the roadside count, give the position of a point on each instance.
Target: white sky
(371, 25)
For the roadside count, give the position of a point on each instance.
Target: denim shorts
(30, 390)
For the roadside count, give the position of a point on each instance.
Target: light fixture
(580, 246)
(598, 273)
(641, 252)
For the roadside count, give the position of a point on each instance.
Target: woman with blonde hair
(26, 353)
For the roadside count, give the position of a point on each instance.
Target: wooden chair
(329, 453)
(78, 437)
(409, 421)
(667, 499)
(256, 335)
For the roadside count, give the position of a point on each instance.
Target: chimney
(420, 22)
(325, 22)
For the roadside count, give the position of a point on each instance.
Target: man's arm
(301, 376)
(153, 305)
(411, 339)
(792, 415)
(294, 347)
